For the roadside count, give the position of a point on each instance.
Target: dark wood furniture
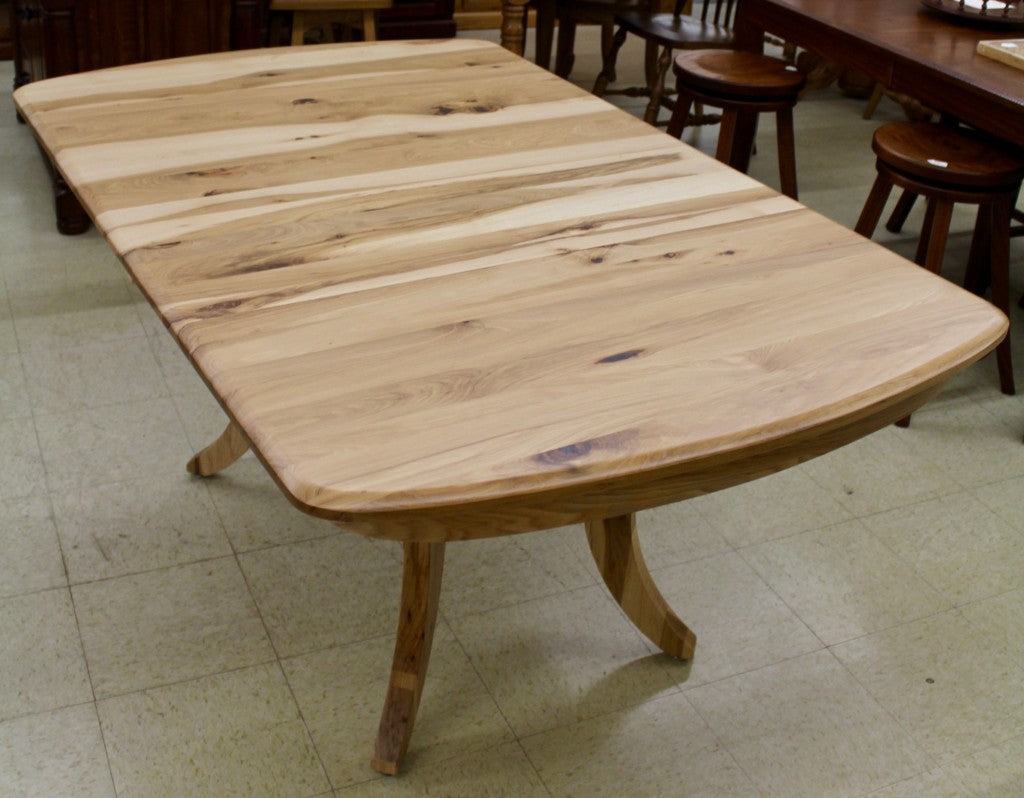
(740, 82)
(5, 31)
(417, 19)
(663, 33)
(61, 37)
(309, 15)
(904, 47)
(401, 19)
(946, 165)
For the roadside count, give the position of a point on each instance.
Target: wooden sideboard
(60, 37)
(417, 19)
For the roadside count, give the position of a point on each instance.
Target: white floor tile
(41, 656)
(783, 724)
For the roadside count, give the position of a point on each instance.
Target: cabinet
(5, 30)
(60, 37)
(478, 14)
(417, 19)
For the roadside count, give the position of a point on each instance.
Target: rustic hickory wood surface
(444, 294)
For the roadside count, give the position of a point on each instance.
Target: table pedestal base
(616, 549)
(421, 592)
(231, 445)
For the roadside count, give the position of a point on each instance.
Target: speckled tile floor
(859, 616)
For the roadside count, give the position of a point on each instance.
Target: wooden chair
(680, 30)
(569, 14)
(740, 82)
(946, 164)
(309, 14)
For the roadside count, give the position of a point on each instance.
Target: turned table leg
(421, 590)
(231, 445)
(616, 550)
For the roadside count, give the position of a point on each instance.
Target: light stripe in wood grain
(196, 70)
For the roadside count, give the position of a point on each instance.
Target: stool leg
(787, 151)
(743, 145)
(941, 212)
(901, 211)
(977, 276)
(680, 114)
(873, 206)
(650, 62)
(999, 247)
(726, 131)
(876, 96)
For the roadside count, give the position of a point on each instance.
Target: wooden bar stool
(740, 82)
(308, 14)
(945, 165)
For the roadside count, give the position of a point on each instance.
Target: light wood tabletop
(444, 294)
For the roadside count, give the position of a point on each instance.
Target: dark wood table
(905, 47)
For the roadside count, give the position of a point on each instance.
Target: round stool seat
(947, 155)
(739, 74)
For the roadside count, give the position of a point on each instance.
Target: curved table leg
(231, 445)
(421, 589)
(616, 549)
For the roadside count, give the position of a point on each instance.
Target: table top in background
(909, 49)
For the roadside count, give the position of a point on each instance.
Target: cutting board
(1009, 51)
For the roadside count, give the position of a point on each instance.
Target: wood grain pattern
(446, 295)
(616, 549)
(231, 445)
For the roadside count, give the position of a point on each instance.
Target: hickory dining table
(443, 295)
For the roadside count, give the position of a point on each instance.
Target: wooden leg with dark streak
(616, 549)
(231, 445)
(421, 590)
